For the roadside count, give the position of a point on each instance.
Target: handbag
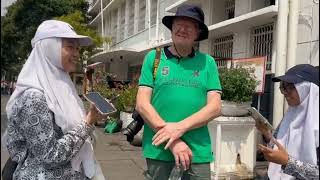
(8, 169)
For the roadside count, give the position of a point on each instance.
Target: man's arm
(173, 131)
(206, 114)
(146, 110)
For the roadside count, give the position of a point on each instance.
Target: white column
(292, 36)
(136, 16)
(280, 64)
(292, 32)
(102, 23)
(148, 14)
(118, 24)
(126, 20)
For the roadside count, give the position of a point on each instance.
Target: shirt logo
(165, 70)
(196, 73)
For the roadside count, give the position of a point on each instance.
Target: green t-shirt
(180, 90)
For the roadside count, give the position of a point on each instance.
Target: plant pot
(233, 109)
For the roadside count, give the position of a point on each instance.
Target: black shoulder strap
(156, 62)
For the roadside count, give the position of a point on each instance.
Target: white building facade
(237, 29)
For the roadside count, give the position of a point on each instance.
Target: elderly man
(180, 101)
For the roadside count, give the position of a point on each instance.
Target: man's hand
(278, 156)
(182, 153)
(170, 132)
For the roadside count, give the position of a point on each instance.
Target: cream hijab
(299, 129)
(43, 71)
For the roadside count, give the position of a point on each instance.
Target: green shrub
(104, 90)
(127, 100)
(237, 84)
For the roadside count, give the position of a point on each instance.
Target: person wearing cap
(293, 149)
(180, 102)
(49, 133)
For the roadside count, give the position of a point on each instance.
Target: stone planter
(233, 109)
(234, 147)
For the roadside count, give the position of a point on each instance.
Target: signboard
(258, 66)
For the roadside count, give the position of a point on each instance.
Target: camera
(134, 127)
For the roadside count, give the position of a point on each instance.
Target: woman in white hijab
(48, 131)
(293, 150)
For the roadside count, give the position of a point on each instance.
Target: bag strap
(156, 62)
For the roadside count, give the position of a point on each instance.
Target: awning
(110, 55)
(128, 54)
(249, 20)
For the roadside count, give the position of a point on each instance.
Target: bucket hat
(190, 11)
(60, 29)
(300, 73)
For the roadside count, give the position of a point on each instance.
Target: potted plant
(238, 86)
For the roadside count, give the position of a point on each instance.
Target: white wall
(241, 44)
(308, 33)
(242, 7)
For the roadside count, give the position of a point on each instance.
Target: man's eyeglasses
(177, 27)
(284, 86)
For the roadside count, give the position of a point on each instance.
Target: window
(153, 11)
(230, 6)
(131, 18)
(262, 38)
(107, 25)
(122, 21)
(222, 49)
(114, 25)
(142, 15)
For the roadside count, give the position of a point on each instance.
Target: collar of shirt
(169, 55)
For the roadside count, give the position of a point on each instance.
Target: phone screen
(102, 105)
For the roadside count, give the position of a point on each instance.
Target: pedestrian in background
(49, 134)
(293, 150)
(180, 102)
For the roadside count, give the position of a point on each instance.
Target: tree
(78, 22)
(20, 23)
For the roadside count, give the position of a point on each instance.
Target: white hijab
(43, 71)
(299, 129)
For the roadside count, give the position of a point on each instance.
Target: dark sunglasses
(284, 86)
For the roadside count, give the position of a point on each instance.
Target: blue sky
(4, 4)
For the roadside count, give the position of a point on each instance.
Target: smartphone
(259, 118)
(103, 105)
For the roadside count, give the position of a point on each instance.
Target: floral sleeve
(33, 132)
(301, 170)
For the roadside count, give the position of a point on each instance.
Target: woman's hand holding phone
(93, 115)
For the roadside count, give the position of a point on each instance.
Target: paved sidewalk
(119, 160)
